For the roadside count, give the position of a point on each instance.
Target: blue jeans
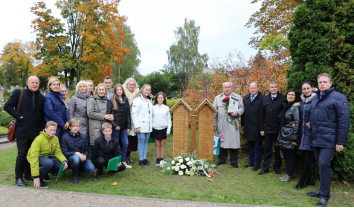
(48, 165)
(77, 166)
(123, 137)
(143, 139)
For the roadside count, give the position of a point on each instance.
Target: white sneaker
(126, 165)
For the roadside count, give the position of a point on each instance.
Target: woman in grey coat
(78, 106)
(96, 112)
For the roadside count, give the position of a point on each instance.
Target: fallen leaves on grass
(211, 174)
(7, 179)
(114, 184)
(211, 180)
(346, 183)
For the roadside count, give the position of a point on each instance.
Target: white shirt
(161, 117)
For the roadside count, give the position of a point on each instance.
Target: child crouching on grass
(45, 156)
(105, 148)
(75, 147)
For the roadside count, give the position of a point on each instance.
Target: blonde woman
(142, 119)
(96, 112)
(78, 106)
(66, 99)
(131, 90)
(54, 107)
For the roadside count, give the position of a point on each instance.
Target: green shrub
(3, 130)
(5, 119)
(171, 102)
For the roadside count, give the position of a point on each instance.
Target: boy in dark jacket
(105, 148)
(75, 147)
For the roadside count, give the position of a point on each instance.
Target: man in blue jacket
(330, 120)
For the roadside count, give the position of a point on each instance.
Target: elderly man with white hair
(227, 123)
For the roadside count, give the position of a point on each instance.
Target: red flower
(226, 99)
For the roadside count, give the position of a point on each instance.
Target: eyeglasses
(291, 95)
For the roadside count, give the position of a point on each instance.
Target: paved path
(30, 197)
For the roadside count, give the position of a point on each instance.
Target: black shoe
(47, 178)
(43, 184)
(75, 180)
(255, 168)
(277, 171)
(234, 165)
(298, 187)
(249, 165)
(20, 182)
(263, 172)
(146, 162)
(158, 161)
(322, 202)
(141, 163)
(314, 194)
(220, 163)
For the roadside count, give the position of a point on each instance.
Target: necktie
(252, 97)
(33, 100)
(273, 97)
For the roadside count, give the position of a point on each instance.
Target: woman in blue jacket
(75, 148)
(54, 107)
(307, 176)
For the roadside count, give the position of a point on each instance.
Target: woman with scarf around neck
(142, 119)
(78, 106)
(75, 148)
(121, 122)
(54, 107)
(289, 131)
(97, 112)
(307, 175)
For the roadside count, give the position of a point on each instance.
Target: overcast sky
(222, 29)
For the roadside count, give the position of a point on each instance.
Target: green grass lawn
(3, 130)
(239, 186)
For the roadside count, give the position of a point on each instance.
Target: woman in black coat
(250, 121)
(287, 139)
(121, 123)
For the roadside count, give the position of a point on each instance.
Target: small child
(75, 147)
(105, 148)
(45, 156)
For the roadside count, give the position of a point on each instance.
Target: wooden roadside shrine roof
(181, 102)
(205, 102)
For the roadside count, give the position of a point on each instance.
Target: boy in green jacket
(45, 155)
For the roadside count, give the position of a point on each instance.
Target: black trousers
(22, 165)
(254, 151)
(308, 167)
(290, 159)
(270, 140)
(323, 157)
(103, 162)
(233, 155)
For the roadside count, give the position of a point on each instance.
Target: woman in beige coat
(131, 90)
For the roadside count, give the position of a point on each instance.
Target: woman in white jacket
(142, 119)
(161, 125)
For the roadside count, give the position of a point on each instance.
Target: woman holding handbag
(287, 138)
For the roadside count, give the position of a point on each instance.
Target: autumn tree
(275, 17)
(83, 47)
(17, 59)
(129, 68)
(183, 55)
(321, 40)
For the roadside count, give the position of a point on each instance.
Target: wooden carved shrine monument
(181, 114)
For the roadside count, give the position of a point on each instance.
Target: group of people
(91, 128)
(315, 122)
(87, 130)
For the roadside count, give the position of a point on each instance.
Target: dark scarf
(74, 135)
(286, 107)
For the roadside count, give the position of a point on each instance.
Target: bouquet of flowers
(188, 165)
(226, 100)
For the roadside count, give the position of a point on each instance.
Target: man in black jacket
(250, 121)
(29, 123)
(270, 124)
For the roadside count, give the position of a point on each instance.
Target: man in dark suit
(29, 123)
(329, 123)
(250, 121)
(270, 125)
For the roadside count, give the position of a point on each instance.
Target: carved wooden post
(193, 131)
(205, 129)
(180, 127)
